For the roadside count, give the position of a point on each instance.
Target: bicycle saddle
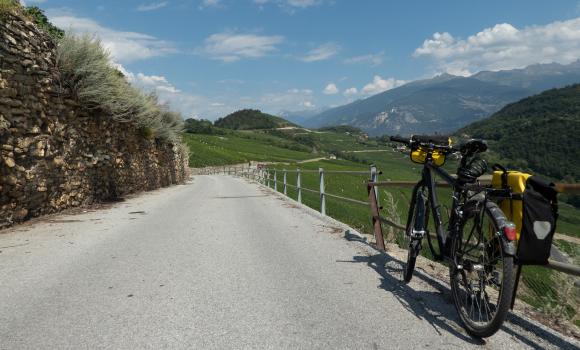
(473, 146)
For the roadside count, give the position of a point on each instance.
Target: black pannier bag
(540, 213)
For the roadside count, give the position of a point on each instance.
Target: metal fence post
(285, 191)
(299, 185)
(322, 195)
(275, 180)
(375, 178)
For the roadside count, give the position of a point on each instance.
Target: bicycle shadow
(437, 308)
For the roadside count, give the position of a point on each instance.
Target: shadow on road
(436, 307)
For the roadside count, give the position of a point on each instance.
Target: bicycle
(479, 243)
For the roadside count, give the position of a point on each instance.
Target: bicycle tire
(466, 292)
(415, 222)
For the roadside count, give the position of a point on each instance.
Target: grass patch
(216, 150)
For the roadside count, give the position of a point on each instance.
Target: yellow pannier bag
(512, 208)
(420, 156)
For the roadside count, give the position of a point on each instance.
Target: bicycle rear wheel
(482, 275)
(411, 239)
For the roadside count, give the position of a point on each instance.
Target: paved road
(219, 264)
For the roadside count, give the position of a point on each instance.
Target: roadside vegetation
(85, 70)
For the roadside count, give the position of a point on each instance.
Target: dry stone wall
(54, 155)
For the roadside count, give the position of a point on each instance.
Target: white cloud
(210, 3)
(291, 100)
(330, 89)
(231, 47)
(350, 92)
(290, 5)
(372, 59)
(29, 2)
(190, 105)
(379, 85)
(321, 53)
(504, 46)
(152, 6)
(198, 106)
(123, 46)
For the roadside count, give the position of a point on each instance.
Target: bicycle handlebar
(423, 140)
(400, 139)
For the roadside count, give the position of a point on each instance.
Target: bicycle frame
(428, 181)
(444, 237)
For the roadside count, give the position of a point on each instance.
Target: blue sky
(207, 58)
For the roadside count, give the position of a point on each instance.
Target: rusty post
(374, 205)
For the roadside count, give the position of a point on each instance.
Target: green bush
(38, 17)
(85, 70)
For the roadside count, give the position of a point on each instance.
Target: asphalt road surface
(220, 263)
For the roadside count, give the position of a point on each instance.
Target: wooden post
(285, 190)
(299, 185)
(375, 213)
(322, 195)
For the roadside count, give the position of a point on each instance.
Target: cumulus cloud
(321, 53)
(379, 85)
(231, 47)
(290, 5)
(350, 92)
(151, 6)
(371, 59)
(504, 46)
(29, 2)
(190, 105)
(210, 3)
(290, 100)
(123, 46)
(330, 89)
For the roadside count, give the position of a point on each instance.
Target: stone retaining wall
(53, 154)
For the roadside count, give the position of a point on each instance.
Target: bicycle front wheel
(482, 275)
(411, 239)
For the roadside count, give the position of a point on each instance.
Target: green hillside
(539, 133)
(251, 119)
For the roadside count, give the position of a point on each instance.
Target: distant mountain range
(446, 102)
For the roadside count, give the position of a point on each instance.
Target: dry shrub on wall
(7, 6)
(85, 69)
